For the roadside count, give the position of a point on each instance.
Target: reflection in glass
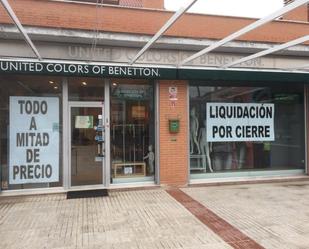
(132, 132)
(86, 146)
(86, 89)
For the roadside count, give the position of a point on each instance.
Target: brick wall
(173, 147)
(140, 21)
(131, 3)
(155, 4)
(298, 14)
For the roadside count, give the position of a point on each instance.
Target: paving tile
(233, 236)
(274, 215)
(129, 219)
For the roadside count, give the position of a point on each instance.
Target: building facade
(83, 117)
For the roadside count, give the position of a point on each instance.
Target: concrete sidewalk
(134, 219)
(272, 215)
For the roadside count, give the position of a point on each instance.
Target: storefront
(83, 126)
(71, 132)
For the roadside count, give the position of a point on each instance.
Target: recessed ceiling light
(51, 82)
(55, 87)
(114, 84)
(84, 83)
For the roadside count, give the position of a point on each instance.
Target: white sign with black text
(228, 122)
(34, 140)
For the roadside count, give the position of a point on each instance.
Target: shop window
(241, 129)
(132, 131)
(30, 132)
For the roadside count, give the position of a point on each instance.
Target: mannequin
(222, 155)
(241, 149)
(151, 157)
(194, 125)
(205, 147)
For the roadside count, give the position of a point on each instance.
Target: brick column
(173, 147)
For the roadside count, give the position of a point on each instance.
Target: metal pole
(246, 29)
(269, 51)
(165, 27)
(11, 13)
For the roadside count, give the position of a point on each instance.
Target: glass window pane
(86, 145)
(286, 151)
(132, 131)
(86, 89)
(36, 144)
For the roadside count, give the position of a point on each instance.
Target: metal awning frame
(246, 29)
(163, 29)
(20, 27)
(176, 16)
(231, 37)
(269, 51)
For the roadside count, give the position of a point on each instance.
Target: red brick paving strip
(226, 231)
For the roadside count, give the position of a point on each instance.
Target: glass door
(87, 138)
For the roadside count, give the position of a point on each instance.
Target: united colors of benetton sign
(89, 70)
(117, 71)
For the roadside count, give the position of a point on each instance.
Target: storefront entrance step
(87, 193)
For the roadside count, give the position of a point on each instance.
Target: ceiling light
(114, 84)
(55, 87)
(84, 83)
(51, 82)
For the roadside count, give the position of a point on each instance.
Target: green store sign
(117, 71)
(86, 70)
